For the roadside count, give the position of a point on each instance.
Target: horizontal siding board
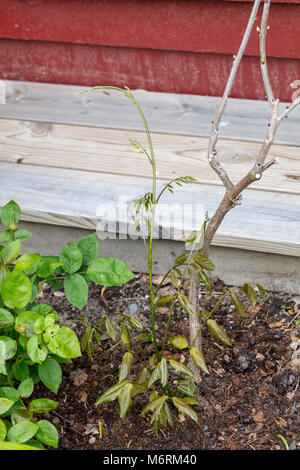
(185, 25)
(72, 199)
(173, 71)
(167, 113)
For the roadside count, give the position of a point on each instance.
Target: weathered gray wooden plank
(266, 221)
(169, 113)
(109, 151)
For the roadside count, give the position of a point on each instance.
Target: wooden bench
(62, 156)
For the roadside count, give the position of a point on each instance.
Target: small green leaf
(25, 323)
(87, 337)
(27, 261)
(64, 343)
(156, 404)
(160, 371)
(238, 304)
(26, 388)
(184, 408)
(5, 404)
(110, 330)
(261, 290)
(22, 235)
(181, 259)
(198, 360)
(2, 430)
(10, 252)
(16, 290)
(76, 290)
(10, 213)
(186, 305)
(41, 405)
(47, 433)
(179, 342)
(20, 414)
(89, 247)
(125, 366)
(164, 300)
(125, 399)
(125, 335)
(204, 262)
(36, 352)
(50, 374)
(250, 293)
(8, 348)
(110, 394)
(6, 236)
(71, 258)
(22, 431)
(47, 267)
(217, 331)
(181, 368)
(6, 318)
(109, 272)
(20, 371)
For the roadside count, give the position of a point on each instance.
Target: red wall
(181, 46)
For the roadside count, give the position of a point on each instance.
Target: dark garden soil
(251, 394)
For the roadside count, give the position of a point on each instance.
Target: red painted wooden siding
(181, 46)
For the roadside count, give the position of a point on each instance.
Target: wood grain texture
(266, 221)
(166, 112)
(108, 151)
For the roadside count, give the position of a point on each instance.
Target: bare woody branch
(212, 153)
(233, 192)
(263, 56)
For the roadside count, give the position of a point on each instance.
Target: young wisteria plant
(167, 383)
